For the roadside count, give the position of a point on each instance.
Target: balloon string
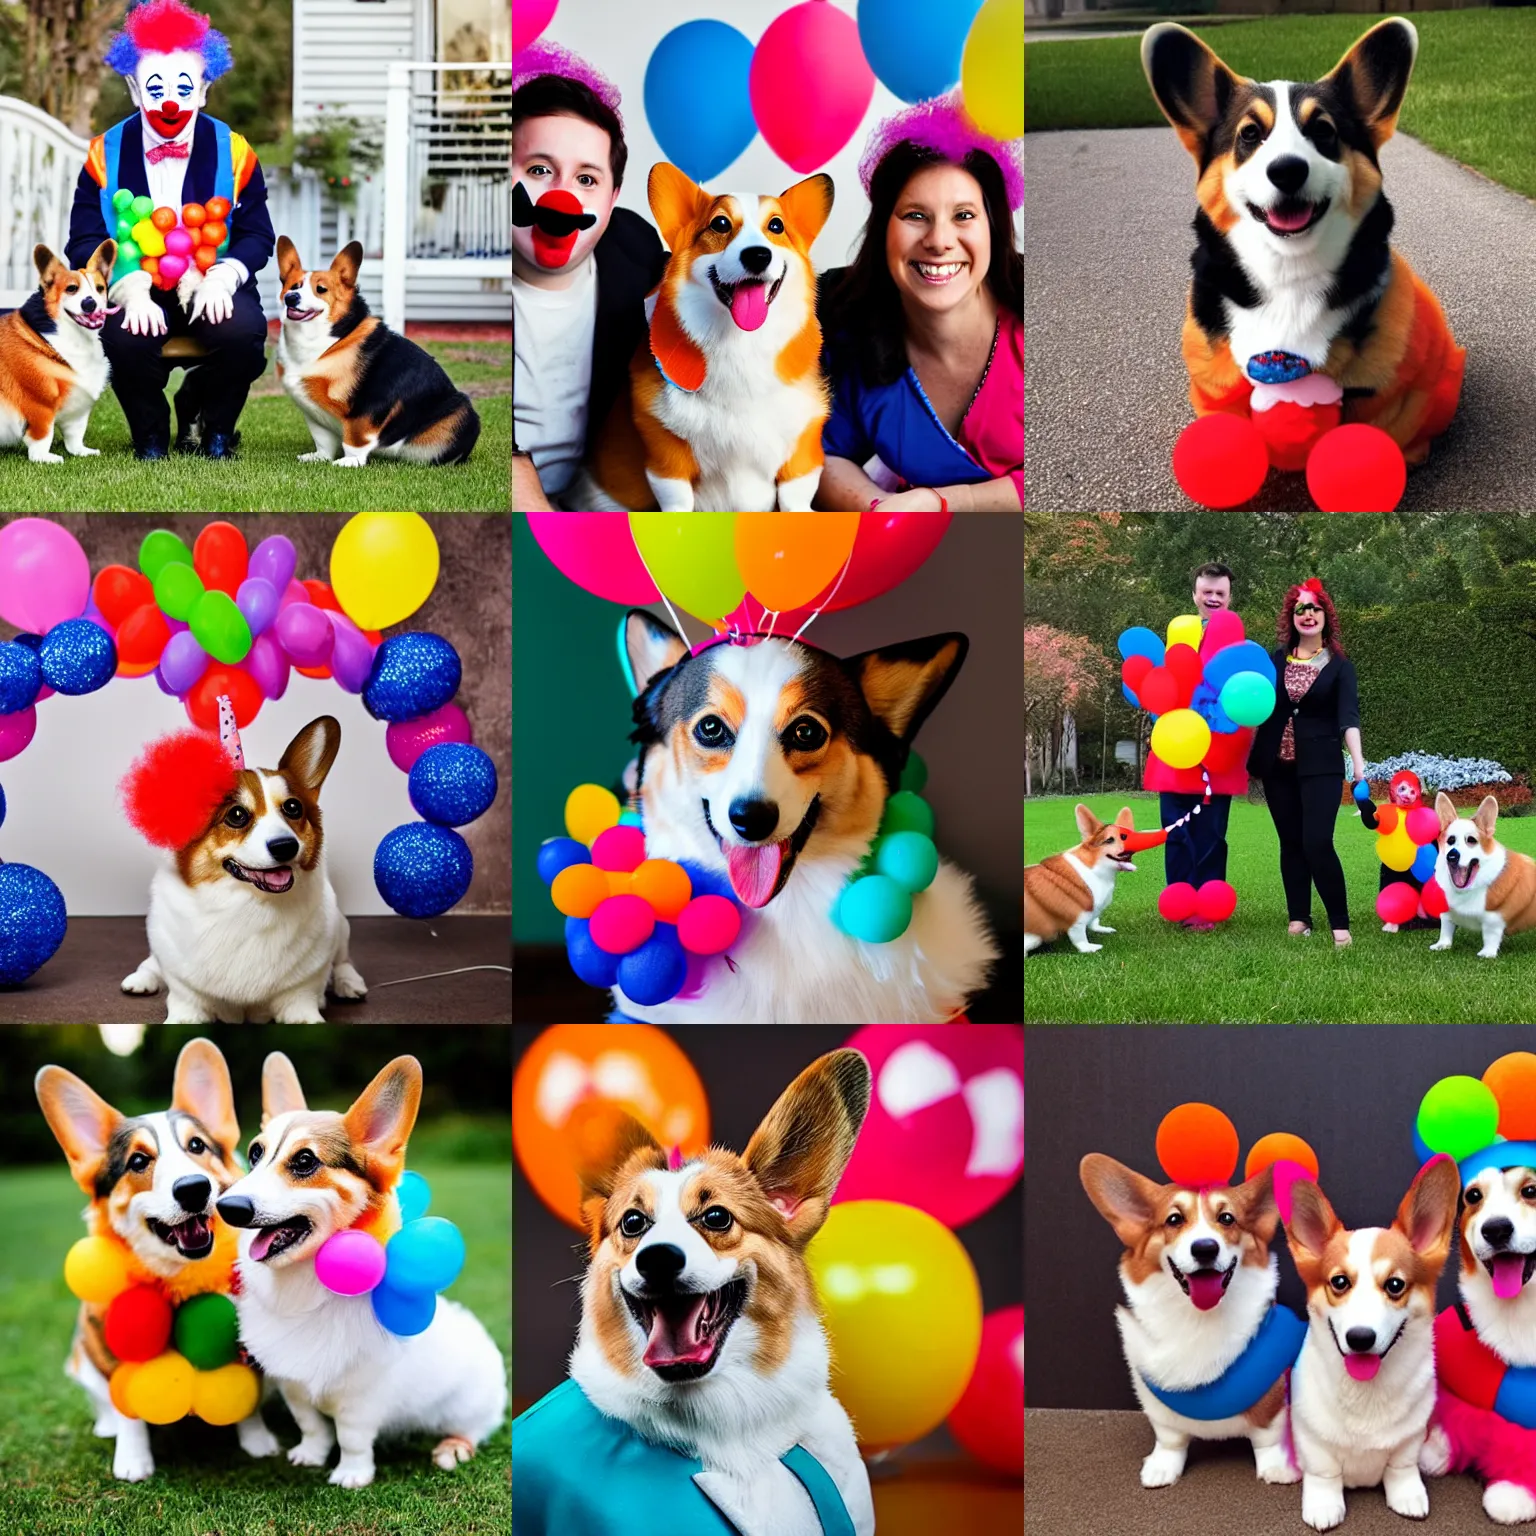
(676, 622)
(1205, 800)
(830, 595)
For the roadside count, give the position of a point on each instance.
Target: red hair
(166, 26)
(1285, 624)
(175, 786)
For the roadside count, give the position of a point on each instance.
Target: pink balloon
(45, 577)
(267, 662)
(349, 1263)
(178, 242)
(16, 731)
(810, 83)
(172, 266)
(597, 551)
(529, 18)
(1222, 629)
(989, 1418)
(1423, 825)
(406, 740)
(945, 1130)
(305, 633)
(294, 592)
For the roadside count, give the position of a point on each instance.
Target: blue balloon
(1141, 641)
(708, 882)
(452, 783)
(557, 853)
(696, 97)
(414, 1196)
(412, 675)
(1420, 1151)
(20, 676)
(77, 657)
(1362, 790)
(422, 870)
(32, 921)
(1423, 866)
(914, 46)
(1130, 698)
(592, 965)
(404, 1312)
(654, 973)
(1245, 656)
(424, 1255)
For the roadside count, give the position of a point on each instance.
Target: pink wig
(552, 59)
(942, 126)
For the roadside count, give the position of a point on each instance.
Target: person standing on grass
(1296, 754)
(1197, 851)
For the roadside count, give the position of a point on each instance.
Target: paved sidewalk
(1106, 268)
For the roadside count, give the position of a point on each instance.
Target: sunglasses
(1302, 608)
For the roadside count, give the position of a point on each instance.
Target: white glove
(187, 285)
(215, 300)
(141, 315)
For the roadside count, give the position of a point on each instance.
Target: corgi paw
(1089, 949)
(82, 452)
(256, 1440)
(345, 982)
(311, 1452)
(1485, 953)
(1509, 1503)
(1322, 1508)
(1407, 1495)
(46, 458)
(1274, 1466)
(1435, 1453)
(132, 1463)
(105, 1428)
(1101, 928)
(298, 1010)
(317, 457)
(451, 1452)
(345, 463)
(1162, 1468)
(1441, 944)
(354, 1476)
(144, 982)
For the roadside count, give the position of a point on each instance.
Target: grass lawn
(1472, 97)
(267, 476)
(1249, 970)
(56, 1478)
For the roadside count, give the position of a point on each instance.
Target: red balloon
(118, 591)
(202, 699)
(1177, 901)
(1159, 691)
(1433, 899)
(1290, 431)
(1215, 901)
(142, 635)
(1223, 628)
(1386, 820)
(1220, 461)
(220, 557)
(1184, 663)
(1357, 468)
(989, 1418)
(1133, 669)
(945, 1129)
(138, 1323)
(1228, 751)
(321, 596)
(1397, 903)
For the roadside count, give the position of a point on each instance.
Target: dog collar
(1467, 1368)
(1269, 1354)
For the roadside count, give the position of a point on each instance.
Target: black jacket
(1327, 709)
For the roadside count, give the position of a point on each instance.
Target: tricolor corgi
(1292, 252)
(315, 1173)
(364, 390)
(153, 1181)
(1487, 886)
(53, 369)
(1364, 1386)
(243, 923)
(700, 1328)
(1068, 892)
(1199, 1281)
(726, 401)
(770, 763)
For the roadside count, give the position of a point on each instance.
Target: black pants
(215, 386)
(1197, 852)
(1303, 809)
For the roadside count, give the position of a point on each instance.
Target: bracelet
(874, 506)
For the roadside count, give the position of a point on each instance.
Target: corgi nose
(87, 306)
(756, 258)
(293, 298)
(1205, 1250)
(1498, 1230)
(282, 848)
(754, 819)
(660, 1263)
(192, 1193)
(1289, 173)
(237, 1210)
(1360, 1339)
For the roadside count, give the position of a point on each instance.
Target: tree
(1061, 671)
(58, 46)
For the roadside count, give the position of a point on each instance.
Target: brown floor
(1083, 1481)
(80, 985)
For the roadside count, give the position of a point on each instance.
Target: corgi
(315, 1173)
(243, 923)
(769, 763)
(153, 1181)
(700, 1329)
(53, 368)
(1068, 892)
(1487, 886)
(727, 400)
(364, 391)
(1199, 1281)
(1292, 252)
(1364, 1385)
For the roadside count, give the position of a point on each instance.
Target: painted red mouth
(167, 119)
(553, 250)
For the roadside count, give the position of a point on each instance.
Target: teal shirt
(577, 1472)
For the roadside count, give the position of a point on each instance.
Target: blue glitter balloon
(414, 1196)
(77, 657)
(20, 677)
(422, 870)
(32, 921)
(425, 1255)
(654, 973)
(557, 853)
(32, 642)
(2, 807)
(452, 783)
(413, 674)
(592, 965)
(404, 1312)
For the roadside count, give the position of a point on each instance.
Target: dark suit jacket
(1327, 709)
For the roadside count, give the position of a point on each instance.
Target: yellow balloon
(1186, 630)
(160, 1391)
(383, 567)
(148, 239)
(227, 1395)
(589, 810)
(1397, 850)
(1181, 738)
(903, 1313)
(95, 1269)
(992, 69)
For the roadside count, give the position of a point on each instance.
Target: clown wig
(168, 26)
(1285, 626)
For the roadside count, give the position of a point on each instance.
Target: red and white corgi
(1068, 892)
(699, 1320)
(315, 1173)
(727, 401)
(243, 923)
(53, 369)
(152, 1181)
(1364, 1386)
(1487, 886)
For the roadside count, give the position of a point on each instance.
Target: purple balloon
(306, 634)
(266, 663)
(165, 687)
(97, 617)
(352, 655)
(273, 560)
(294, 592)
(257, 599)
(182, 662)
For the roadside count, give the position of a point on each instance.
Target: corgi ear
(1087, 822)
(651, 647)
(348, 259)
(1427, 1215)
(308, 757)
(1126, 818)
(1253, 1203)
(1127, 1200)
(807, 206)
(280, 1090)
(102, 260)
(381, 1120)
(48, 265)
(81, 1119)
(203, 1089)
(1487, 818)
(902, 683)
(1444, 809)
(1374, 74)
(290, 266)
(800, 1150)
(1312, 1222)
(1192, 86)
(677, 203)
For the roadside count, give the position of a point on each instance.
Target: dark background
(1350, 1090)
(744, 1069)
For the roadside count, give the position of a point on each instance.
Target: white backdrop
(618, 37)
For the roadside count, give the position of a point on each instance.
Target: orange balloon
(1197, 1145)
(571, 1080)
(204, 256)
(163, 219)
(218, 207)
(1386, 820)
(665, 885)
(618, 882)
(786, 559)
(1513, 1081)
(577, 890)
(193, 214)
(1281, 1146)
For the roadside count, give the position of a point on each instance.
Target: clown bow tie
(167, 152)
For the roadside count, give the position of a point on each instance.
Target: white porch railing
(40, 160)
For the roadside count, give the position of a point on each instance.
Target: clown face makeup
(169, 91)
(563, 193)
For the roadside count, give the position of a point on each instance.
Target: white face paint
(169, 90)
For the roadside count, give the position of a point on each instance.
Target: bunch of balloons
(1407, 841)
(202, 1374)
(402, 1276)
(1213, 900)
(1463, 1116)
(876, 904)
(164, 243)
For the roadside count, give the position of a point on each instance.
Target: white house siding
(342, 50)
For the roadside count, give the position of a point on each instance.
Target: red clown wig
(168, 26)
(1285, 625)
(176, 785)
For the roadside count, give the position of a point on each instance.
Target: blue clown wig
(168, 26)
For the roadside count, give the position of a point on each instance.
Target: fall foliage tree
(1061, 671)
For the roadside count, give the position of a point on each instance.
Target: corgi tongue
(754, 872)
(1508, 1275)
(749, 307)
(1288, 219)
(263, 1241)
(1362, 1367)
(674, 1338)
(1204, 1289)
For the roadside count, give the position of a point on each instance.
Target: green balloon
(1247, 698)
(125, 231)
(220, 628)
(915, 775)
(908, 858)
(122, 199)
(907, 812)
(177, 590)
(207, 1331)
(160, 547)
(128, 255)
(692, 557)
(142, 208)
